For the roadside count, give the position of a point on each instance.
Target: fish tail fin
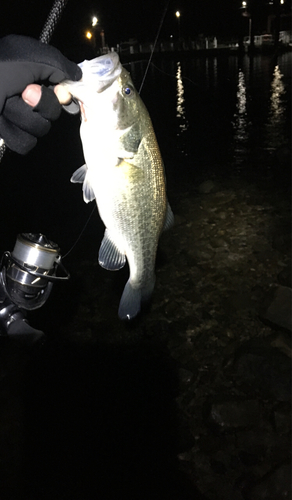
(130, 304)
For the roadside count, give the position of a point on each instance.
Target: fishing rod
(28, 272)
(45, 37)
(52, 20)
(49, 27)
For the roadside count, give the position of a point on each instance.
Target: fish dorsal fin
(81, 176)
(169, 218)
(110, 257)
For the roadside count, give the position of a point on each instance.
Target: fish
(124, 173)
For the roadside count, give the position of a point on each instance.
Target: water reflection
(276, 119)
(180, 107)
(211, 72)
(226, 110)
(240, 121)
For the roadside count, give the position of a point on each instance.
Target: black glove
(23, 61)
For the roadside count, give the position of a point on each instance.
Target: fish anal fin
(110, 257)
(169, 218)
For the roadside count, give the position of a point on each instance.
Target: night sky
(124, 20)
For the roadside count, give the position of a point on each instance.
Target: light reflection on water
(240, 121)
(271, 99)
(276, 118)
(220, 111)
(183, 124)
(180, 107)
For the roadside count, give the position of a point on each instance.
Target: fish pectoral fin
(169, 218)
(110, 257)
(79, 174)
(88, 193)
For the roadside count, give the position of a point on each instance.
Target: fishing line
(162, 71)
(174, 76)
(155, 43)
(82, 231)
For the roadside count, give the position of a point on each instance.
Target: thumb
(32, 94)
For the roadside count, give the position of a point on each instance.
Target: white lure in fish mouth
(97, 75)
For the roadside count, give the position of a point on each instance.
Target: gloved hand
(23, 61)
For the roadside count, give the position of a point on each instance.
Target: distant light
(94, 21)
(88, 35)
(177, 13)
(244, 4)
(282, 2)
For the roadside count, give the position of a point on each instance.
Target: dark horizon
(198, 17)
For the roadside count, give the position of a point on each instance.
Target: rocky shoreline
(197, 390)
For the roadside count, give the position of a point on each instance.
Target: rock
(172, 308)
(206, 187)
(282, 343)
(236, 414)
(256, 444)
(283, 155)
(276, 486)
(282, 240)
(240, 300)
(284, 277)
(185, 376)
(263, 369)
(279, 311)
(282, 420)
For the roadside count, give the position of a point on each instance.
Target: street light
(95, 25)
(94, 21)
(178, 22)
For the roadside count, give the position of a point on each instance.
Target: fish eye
(128, 91)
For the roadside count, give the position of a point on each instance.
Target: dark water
(213, 112)
(101, 419)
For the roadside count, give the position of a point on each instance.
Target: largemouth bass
(124, 173)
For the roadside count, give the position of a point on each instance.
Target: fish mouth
(101, 71)
(97, 75)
